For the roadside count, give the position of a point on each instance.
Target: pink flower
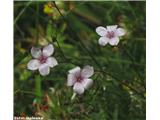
(42, 59)
(110, 35)
(79, 79)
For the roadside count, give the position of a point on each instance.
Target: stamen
(79, 78)
(43, 59)
(110, 34)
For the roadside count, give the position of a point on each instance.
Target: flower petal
(87, 83)
(87, 71)
(120, 32)
(103, 41)
(48, 50)
(44, 69)
(51, 61)
(111, 28)
(78, 88)
(70, 79)
(75, 70)
(36, 52)
(114, 41)
(33, 64)
(102, 31)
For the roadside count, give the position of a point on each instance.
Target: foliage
(118, 92)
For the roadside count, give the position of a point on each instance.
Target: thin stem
(66, 59)
(134, 65)
(72, 31)
(73, 96)
(22, 11)
(37, 22)
(26, 92)
(38, 91)
(37, 77)
(122, 83)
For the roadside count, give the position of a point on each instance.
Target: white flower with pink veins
(79, 79)
(110, 35)
(42, 59)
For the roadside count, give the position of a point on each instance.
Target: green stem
(76, 36)
(134, 65)
(115, 114)
(37, 77)
(38, 91)
(22, 11)
(122, 83)
(66, 59)
(37, 22)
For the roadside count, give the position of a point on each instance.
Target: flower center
(43, 59)
(110, 34)
(79, 78)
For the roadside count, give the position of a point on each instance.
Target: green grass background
(118, 92)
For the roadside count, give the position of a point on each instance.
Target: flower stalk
(73, 96)
(38, 88)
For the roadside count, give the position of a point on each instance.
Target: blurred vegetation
(118, 92)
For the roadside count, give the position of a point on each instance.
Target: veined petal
(48, 50)
(70, 79)
(75, 70)
(87, 83)
(111, 28)
(44, 69)
(78, 88)
(102, 31)
(33, 64)
(51, 61)
(120, 32)
(36, 52)
(87, 71)
(114, 41)
(103, 41)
